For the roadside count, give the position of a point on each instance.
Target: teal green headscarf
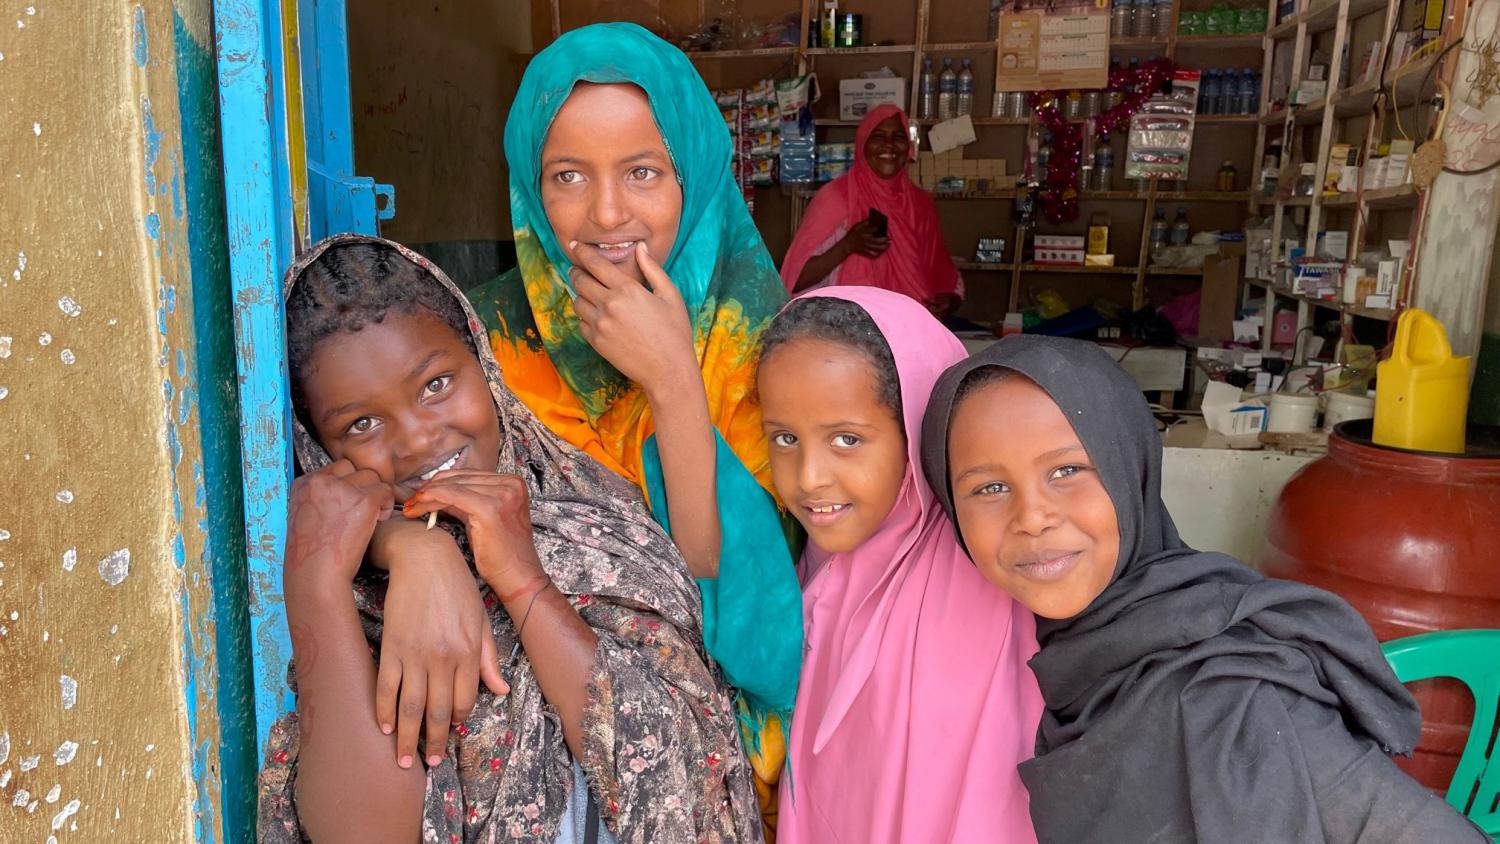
(752, 611)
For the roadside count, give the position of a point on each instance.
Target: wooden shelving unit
(908, 32)
(1346, 115)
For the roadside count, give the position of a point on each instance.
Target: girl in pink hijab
(915, 703)
(839, 243)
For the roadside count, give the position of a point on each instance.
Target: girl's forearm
(560, 645)
(349, 787)
(819, 267)
(689, 451)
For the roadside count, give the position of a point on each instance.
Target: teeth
(832, 508)
(626, 245)
(447, 464)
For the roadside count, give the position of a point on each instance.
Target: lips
(451, 460)
(823, 513)
(1047, 565)
(616, 251)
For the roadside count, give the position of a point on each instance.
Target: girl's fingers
(409, 716)
(458, 500)
(661, 284)
(587, 287)
(598, 266)
(465, 691)
(387, 689)
(489, 667)
(439, 714)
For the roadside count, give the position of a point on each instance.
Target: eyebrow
(990, 467)
(643, 155)
(831, 426)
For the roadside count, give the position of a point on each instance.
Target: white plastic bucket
(1292, 414)
(1344, 407)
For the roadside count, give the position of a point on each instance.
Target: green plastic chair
(1472, 656)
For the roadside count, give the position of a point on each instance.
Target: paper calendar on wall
(1054, 47)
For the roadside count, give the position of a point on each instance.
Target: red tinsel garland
(1059, 194)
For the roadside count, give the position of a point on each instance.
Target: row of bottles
(1162, 235)
(945, 95)
(1229, 92)
(1141, 18)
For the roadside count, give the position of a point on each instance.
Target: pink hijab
(916, 703)
(917, 262)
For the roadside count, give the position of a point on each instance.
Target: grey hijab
(1167, 698)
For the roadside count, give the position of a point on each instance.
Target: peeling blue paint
(153, 143)
(153, 225)
(141, 49)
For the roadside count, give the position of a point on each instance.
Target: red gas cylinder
(1412, 541)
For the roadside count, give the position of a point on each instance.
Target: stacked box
(1058, 249)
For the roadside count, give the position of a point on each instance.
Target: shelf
(1382, 314)
(1202, 195)
(861, 51)
(1322, 17)
(983, 267)
(1398, 197)
(743, 54)
(979, 121)
(1222, 41)
(1225, 118)
(1188, 272)
(942, 196)
(962, 45)
(1358, 98)
(1149, 41)
(1077, 269)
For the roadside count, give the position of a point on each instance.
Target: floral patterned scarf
(661, 751)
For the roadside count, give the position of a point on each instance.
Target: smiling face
(607, 180)
(404, 397)
(887, 149)
(838, 452)
(1032, 509)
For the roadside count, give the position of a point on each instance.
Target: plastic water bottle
(965, 90)
(1104, 163)
(1163, 18)
(1229, 92)
(1249, 91)
(1145, 18)
(947, 92)
(1208, 92)
(1180, 231)
(1158, 230)
(1120, 15)
(927, 91)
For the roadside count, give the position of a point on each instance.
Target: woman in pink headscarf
(915, 704)
(839, 243)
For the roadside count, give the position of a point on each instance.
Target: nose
(607, 208)
(1035, 513)
(812, 473)
(417, 434)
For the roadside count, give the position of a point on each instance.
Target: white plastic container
(1292, 414)
(1345, 407)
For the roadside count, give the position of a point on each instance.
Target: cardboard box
(1068, 257)
(1219, 298)
(1102, 259)
(858, 96)
(1058, 241)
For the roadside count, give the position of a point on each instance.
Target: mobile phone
(878, 224)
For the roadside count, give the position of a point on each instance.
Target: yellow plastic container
(1422, 391)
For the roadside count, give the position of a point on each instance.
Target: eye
(1068, 471)
(436, 385)
(644, 174)
(568, 177)
(362, 425)
(783, 440)
(845, 440)
(992, 489)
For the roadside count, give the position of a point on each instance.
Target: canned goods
(1020, 104)
(1074, 107)
(1002, 105)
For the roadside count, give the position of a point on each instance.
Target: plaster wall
(108, 720)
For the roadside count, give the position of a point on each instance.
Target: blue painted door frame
(287, 146)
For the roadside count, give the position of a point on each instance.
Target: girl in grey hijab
(1188, 698)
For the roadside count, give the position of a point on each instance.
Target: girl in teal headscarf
(631, 328)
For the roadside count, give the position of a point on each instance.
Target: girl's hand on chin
(642, 330)
(330, 518)
(495, 509)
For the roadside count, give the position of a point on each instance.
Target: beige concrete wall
(431, 84)
(102, 589)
